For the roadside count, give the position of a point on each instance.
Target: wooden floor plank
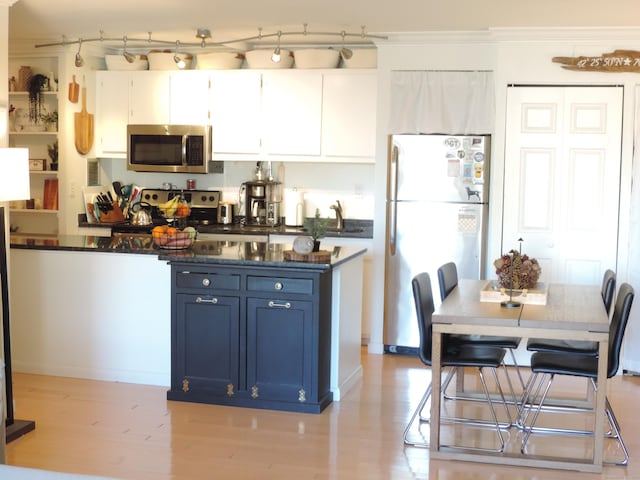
(131, 431)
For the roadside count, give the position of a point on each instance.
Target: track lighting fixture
(176, 58)
(79, 59)
(202, 34)
(205, 33)
(276, 53)
(129, 57)
(345, 53)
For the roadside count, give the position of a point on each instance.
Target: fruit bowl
(170, 238)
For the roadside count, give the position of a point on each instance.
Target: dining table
(569, 312)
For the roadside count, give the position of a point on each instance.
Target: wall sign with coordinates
(616, 61)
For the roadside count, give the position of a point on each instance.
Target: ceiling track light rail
(203, 34)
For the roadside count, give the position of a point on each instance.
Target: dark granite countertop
(263, 254)
(353, 228)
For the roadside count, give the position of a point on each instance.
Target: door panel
(562, 177)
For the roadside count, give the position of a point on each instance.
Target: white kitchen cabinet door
(349, 115)
(149, 97)
(235, 112)
(112, 113)
(292, 112)
(189, 97)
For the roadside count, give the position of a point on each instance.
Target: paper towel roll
(294, 208)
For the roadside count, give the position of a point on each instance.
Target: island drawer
(280, 285)
(207, 280)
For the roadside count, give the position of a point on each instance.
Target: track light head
(276, 53)
(176, 58)
(129, 57)
(79, 60)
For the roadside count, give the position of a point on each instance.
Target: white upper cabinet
(235, 112)
(349, 115)
(284, 115)
(128, 97)
(292, 112)
(189, 98)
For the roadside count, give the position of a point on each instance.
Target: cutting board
(323, 256)
(74, 89)
(50, 199)
(83, 123)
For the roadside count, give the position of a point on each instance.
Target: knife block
(112, 216)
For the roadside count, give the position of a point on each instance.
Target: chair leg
(416, 413)
(529, 429)
(615, 426)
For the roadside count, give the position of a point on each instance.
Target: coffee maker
(262, 202)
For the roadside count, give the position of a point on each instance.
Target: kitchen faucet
(339, 217)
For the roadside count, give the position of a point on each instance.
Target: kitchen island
(101, 307)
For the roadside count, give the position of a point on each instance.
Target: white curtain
(442, 102)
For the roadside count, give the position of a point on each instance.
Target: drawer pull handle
(278, 286)
(206, 282)
(204, 300)
(274, 304)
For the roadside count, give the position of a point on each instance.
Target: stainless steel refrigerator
(437, 210)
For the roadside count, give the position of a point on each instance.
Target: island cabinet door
(205, 353)
(280, 353)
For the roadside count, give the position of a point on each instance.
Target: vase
(316, 246)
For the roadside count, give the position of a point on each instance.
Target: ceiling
(44, 21)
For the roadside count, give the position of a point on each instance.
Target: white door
(562, 179)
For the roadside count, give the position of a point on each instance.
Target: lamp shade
(14, 174)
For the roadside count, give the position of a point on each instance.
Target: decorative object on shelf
(317, 229)
(52, 150)
(37, 164)
(517, 271)
(14, 185)
(303, 245)
(36, 85)
(24, 78)
(50, 120)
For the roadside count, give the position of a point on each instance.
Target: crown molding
(534, 35)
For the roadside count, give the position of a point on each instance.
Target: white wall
(515, 56)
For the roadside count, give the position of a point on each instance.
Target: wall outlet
(357, 192)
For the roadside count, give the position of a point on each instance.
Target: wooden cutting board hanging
(74, 89)
(83, 125)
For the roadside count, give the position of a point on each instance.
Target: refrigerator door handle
(393, 198)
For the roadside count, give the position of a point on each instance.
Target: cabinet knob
(206, 282)
(278, 286)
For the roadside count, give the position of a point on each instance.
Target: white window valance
(442, 102)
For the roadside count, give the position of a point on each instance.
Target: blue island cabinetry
(251, 336)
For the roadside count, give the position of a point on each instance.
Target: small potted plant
(52, 150)
(50, 120)
(316, 227)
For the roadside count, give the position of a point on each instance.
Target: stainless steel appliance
(436, 212)
(169, 148)
(261, 200)
(204, 204)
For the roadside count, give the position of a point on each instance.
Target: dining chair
(558, 363)
(448, 280)
(453, 355)
(581, 347)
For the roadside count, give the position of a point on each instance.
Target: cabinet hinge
(230, 390)
(302, 395)
(185, 385)
(254, 392)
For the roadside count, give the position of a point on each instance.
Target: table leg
(601, 396)
(436, 394)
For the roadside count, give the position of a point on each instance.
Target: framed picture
(37, 164)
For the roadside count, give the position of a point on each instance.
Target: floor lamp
(14, 185)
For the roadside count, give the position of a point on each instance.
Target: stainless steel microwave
(169, 148)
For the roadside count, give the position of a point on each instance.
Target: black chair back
(423, 298)
(608, 289)
(447, 279)
(618, 325)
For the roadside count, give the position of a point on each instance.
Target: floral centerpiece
(523, 270)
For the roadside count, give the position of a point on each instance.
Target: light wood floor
(132, 432)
